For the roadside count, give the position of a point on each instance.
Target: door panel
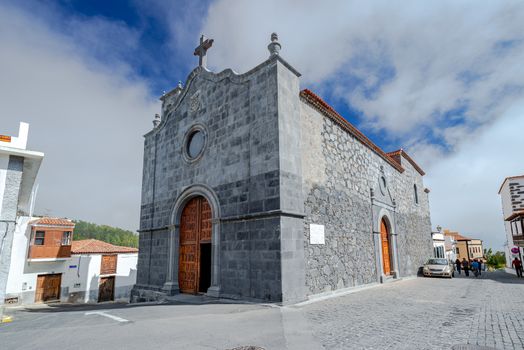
(106, 289)
(48, 287)
(188, 255)
(386, 261)
(195, 227)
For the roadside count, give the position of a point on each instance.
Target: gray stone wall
(8, 213)
(338, 173)
(249, 125)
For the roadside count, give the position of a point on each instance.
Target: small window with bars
(39, 237)
(66, 238)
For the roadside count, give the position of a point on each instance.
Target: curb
(6, 319)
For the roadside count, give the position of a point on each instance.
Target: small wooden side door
(385, 248)
(106, 289)
(48, 288)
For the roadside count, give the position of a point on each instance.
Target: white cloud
(443, 79)
(427, 49)
(88, 117)
(465, 185)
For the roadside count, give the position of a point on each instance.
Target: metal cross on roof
(201, 50)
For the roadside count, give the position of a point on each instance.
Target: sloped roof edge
(320, 105)
(402, 153)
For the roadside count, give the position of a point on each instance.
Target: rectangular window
(108, 264)
(457, 250)
(66, 238)
(39, 237)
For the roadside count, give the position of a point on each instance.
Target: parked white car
(438, 267)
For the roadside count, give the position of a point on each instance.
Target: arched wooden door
(195, 247)
(384, 235)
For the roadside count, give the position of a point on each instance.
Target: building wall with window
(80, 271)
(465, 247)
(439, 246)
(18, 170)
(512, 197)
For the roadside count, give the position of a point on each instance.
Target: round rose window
(195, 144)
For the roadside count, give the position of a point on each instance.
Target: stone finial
(157, 120)
(274, 47)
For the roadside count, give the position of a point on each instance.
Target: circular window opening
(195, 144)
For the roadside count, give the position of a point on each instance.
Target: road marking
(113, 317)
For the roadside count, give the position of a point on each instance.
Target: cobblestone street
(421, 313)
(425, 313)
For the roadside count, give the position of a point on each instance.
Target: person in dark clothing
(465, 266)
(457, 264)
(518, 266)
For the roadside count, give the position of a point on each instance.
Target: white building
(512, 196)
(439, 247)
(47, 265)
(18, 171)
(450, 244)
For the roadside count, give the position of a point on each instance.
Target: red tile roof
(509, 178)
(320, 105)
(53, 222)
(401, 153)
(94, 246)
(458, 236)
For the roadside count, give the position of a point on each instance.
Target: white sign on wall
(316, 234)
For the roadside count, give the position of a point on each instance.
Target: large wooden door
(386, 260)
(195, 229)
(48, 288)
(106, 289)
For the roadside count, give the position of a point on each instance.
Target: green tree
(496, 260)
(109, 234)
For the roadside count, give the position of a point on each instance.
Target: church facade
(254, 189)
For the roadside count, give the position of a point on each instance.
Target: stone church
(255, 189)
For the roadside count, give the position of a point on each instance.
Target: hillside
(109, 234)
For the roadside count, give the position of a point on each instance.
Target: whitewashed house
(18, 170)
(439, 247)
(450, 245)
(48, 266)
(512, 196)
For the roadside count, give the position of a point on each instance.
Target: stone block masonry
(339, 174)
(272, 163)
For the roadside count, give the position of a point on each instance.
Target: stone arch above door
(199, 190)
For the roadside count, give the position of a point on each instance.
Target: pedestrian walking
(457, 264)
(465, 266)
(475, 267)
(518, 266)
(480, 266)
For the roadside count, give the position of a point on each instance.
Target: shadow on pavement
(499, 276)
(177, 300)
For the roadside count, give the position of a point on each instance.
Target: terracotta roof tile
(457, 236)
(94, 246)
(401, 153)
(320, 105)
(52, 222)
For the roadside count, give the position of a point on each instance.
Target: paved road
(421, 313)
(426, 313)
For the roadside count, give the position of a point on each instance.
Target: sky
(443, 80)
